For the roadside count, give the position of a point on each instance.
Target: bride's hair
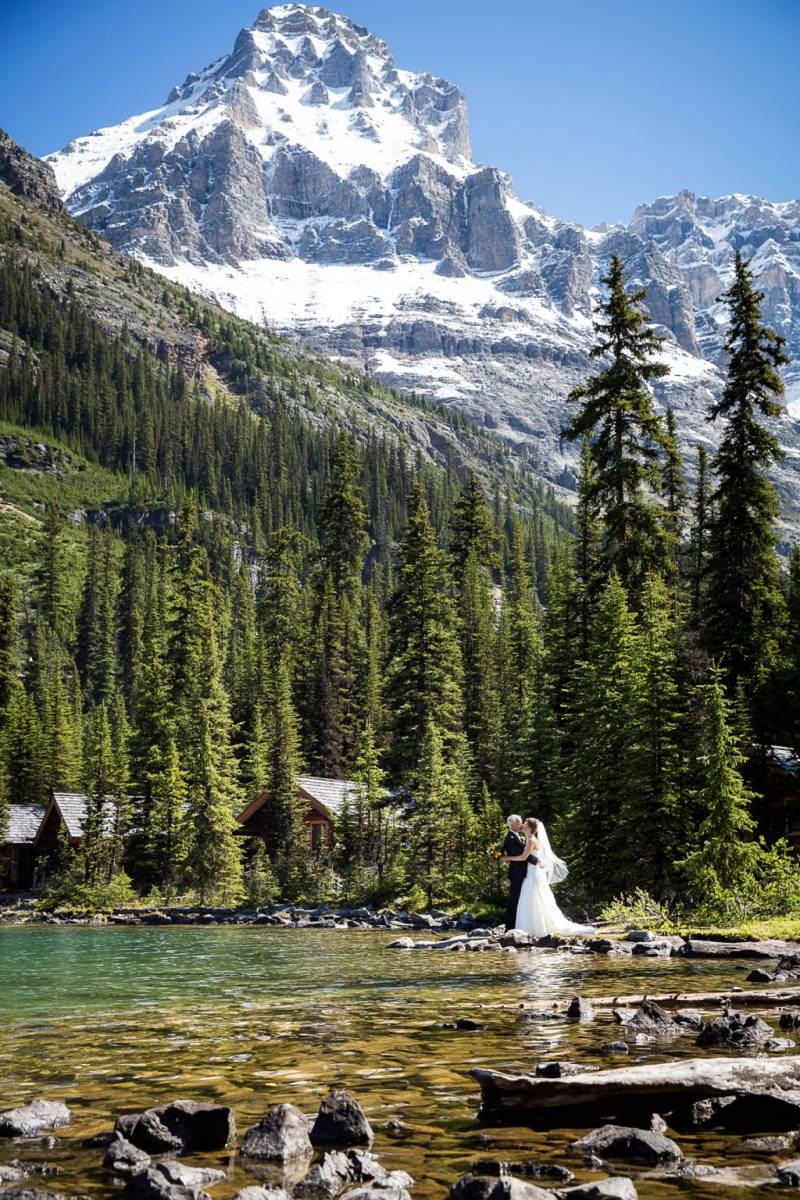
(532, 824)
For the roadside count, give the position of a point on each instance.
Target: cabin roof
(23, 822)
(330, 793)
(325, 796)
(72, 806)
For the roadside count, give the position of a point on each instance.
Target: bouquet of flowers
(495, 852)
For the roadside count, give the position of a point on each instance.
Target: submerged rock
(580, 1010)
(341, 1121)
(181, 1127)
(637, 1145)
(123, 1158)
(498, 1169)
(280, 1136)
(740, 1033)
(30, 1119)
(477, 1187)
(618, 1187)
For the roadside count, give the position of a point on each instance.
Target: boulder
(380, 1191)
(649, 1018)
(637, 1145)
(181, 1127)
(478, 1187)
(254, 1192)
(162, 1183)
(326, 1178)
(123, 1158)
(770, 1145)
(341, 1121)
(740, 1033)
(33, 1118)
(280, 1136)
(640, 935)
(759, 975)
(580, 1010)
(760, 1112)
(617, 1188)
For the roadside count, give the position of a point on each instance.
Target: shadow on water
(114, 1020)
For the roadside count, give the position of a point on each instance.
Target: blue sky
(592, 105)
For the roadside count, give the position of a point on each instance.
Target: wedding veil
(555, 868)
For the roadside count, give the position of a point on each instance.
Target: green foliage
(69, 892)
(637, 910)
(742, 606)
(626, 434)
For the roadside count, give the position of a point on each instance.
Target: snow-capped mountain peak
(306, 180)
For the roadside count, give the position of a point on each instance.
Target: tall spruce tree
(9, 638)
(674, 493)
(626, 434)
(722, 865)
(425, 670)
(287, 844)
(343, 517)
(588, 541)
(698, 548)
(165, 828)
(743, 597)
(603, 769)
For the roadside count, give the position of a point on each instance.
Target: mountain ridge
(308, 183)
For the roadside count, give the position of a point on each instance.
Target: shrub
(637, 910)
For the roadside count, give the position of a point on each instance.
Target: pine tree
(50, 571)
(288, 839)
(674, 493)
(698, 550)
(724, 862)
(165, 829)
(743, 600)
(472, 527)
(9, 650)
(588, 541)
(626, 435)
(476, 624)
(99, 780)
(425, 670)
(441, 829)
(603, 767)
(22, 749)
(343, 517)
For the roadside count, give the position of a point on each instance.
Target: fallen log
(649, 1086)
(765, 997)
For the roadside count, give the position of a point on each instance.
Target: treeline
(457, 656)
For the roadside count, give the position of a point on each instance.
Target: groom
(514, 844)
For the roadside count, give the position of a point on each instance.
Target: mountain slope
(307, 182)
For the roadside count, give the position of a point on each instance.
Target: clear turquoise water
(114, 1020)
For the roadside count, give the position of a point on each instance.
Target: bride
(537, 911)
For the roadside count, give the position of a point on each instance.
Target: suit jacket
(514, 844)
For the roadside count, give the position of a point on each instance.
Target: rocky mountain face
(27, 176)
(306, 181)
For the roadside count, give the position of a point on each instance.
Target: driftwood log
(741, 998)
(650, 1086)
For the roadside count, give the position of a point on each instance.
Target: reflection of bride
(537, 911)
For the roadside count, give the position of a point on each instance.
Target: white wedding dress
(537, 911)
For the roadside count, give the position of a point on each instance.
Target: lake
(112, 1020)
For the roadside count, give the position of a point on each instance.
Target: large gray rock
(280, 1136)
(736, 1032)
(477, 1187)
(180, 1127)
(621, 1141)
(36, 1117)
(617, 1187)
(123, 1158)
(341, 1121)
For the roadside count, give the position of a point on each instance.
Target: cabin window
(316, 836)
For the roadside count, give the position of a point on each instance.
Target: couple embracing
(532, 869)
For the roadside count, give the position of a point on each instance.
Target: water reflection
(113, 1019)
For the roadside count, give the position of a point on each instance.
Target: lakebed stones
(618, 1187)
(123, 1158)
(649, 1018)
(281, 1136)
(478, 1187)
(498, 1169)
(36, 1117)
(341, 1121)
(179, 1127)
(172, 1180)
(637, 1145)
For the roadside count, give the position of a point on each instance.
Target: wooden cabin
(64, 817)
(323, 799)
(16, 862)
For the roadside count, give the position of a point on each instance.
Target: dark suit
(514, 844)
